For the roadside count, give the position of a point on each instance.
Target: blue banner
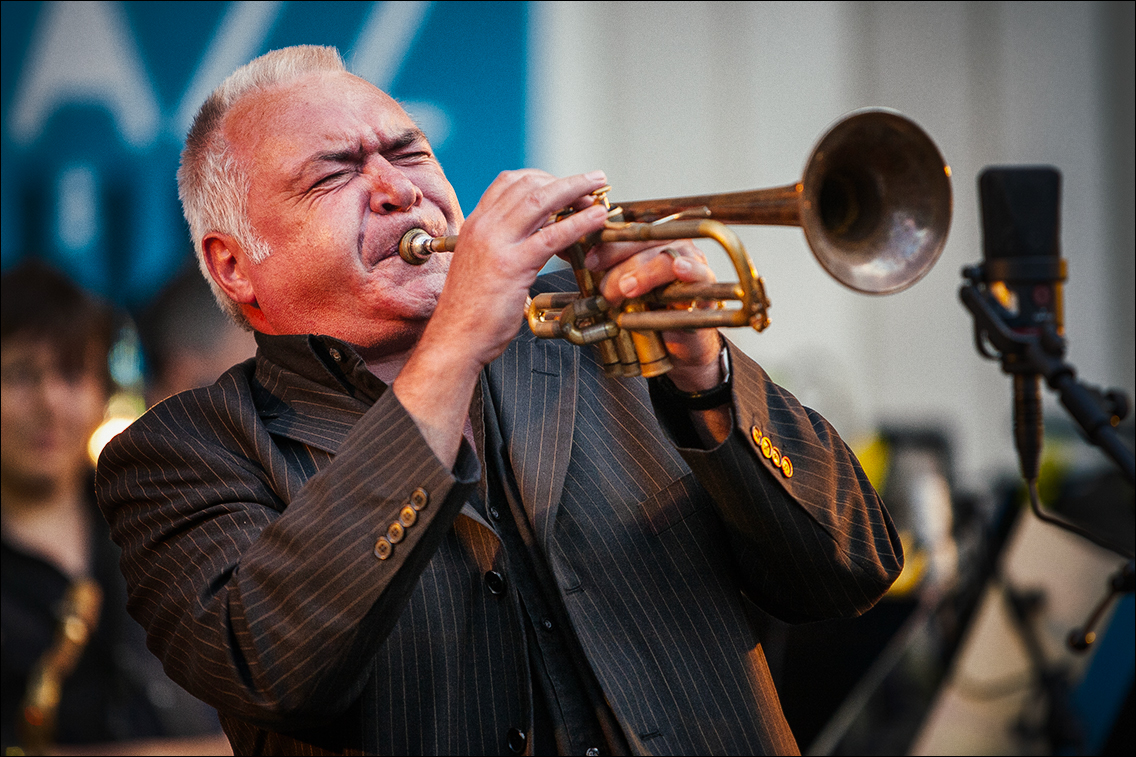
(97, 98)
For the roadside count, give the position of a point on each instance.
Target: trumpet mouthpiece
(414, 247)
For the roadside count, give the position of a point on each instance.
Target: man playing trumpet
(405, 527)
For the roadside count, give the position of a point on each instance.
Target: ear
(229, 266)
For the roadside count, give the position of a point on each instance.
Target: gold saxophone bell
(79, 616)
(874, 204)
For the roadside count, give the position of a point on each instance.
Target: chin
(34, 481)
(388, 339)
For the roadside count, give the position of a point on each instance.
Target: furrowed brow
(405, 139)
(357, 153)
(346, 155)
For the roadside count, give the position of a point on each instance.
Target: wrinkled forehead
(316, 111)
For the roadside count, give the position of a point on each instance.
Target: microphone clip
(1041, 352)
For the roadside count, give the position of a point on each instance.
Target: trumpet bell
(875, 202)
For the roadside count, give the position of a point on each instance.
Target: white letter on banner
(83, 52)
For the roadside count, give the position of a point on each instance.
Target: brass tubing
(677, 320)
(609, 357)
(585, 308)
(753, 299)
(650, 351)
(681, 292)
(586, 282)
(776, 206)
(628, 358)
(554, 300)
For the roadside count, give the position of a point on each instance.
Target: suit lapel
(298, 408)
(536, 406)
(326, 434)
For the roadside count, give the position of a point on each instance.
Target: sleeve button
(755, 434)
(775, 456)
(419, 499)
(395, 532)
(407, 516)
(766, 446)
(787, 467)
(383, 548)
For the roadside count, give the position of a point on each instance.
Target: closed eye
(332, 179)
(412, 157)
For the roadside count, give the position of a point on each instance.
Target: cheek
(12, 420)
(19, 413)
(436, 188)
(288, 285)
(87, 407)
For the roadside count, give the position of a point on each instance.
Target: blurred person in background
(189, 341)
(63, 599)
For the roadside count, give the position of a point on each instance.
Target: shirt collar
(323, 360)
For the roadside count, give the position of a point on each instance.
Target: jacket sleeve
(269, 612)
(810, 539)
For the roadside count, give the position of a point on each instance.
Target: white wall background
(685, 98)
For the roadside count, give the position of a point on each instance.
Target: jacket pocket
(673, 504)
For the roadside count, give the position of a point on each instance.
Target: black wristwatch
(704, 400)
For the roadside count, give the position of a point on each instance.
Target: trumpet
(874, 203)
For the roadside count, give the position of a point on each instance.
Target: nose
(55, 392)
(391, 190)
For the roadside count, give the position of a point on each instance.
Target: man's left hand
(633, 269)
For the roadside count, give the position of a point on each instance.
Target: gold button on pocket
(395, 532)
(419, 499)
(407, 516)
(383, 548)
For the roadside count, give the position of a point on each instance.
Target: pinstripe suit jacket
(248, 514)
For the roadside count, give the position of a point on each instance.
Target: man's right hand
(503, 246)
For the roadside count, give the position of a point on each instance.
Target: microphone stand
(1098, 414)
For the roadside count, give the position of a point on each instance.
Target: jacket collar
(312, 388)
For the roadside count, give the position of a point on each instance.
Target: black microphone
(1024, 271)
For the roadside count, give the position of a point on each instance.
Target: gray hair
(212, 184)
